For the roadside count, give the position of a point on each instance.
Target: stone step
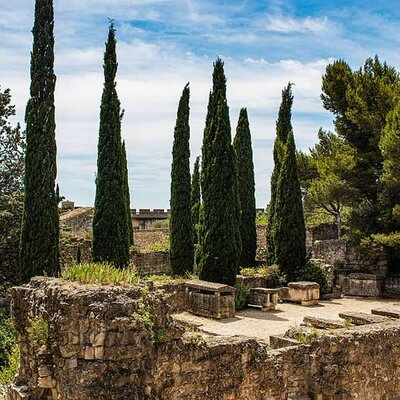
(359, 318)
(384, 312)
(322, 323)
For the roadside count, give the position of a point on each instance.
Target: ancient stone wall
(327, 231)
(144, 238)
(347, 259)
(90, 342)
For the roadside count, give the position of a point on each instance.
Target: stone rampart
(86, 342)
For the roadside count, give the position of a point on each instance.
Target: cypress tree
(181, 233)
(219, 242)
(127, 193)
(289, 230)
(195, 199)
(245, 166)
(111, 235)
(40, 234)
(283, 127)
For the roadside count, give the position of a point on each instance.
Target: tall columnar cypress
(111, 234)
(283, 128)
(220, 235)
(195, 199)
(245, 166)
(40, 234)
(127, 193)
(181, 233)
(288, 228)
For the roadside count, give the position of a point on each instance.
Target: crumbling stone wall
(121, 343)
(347, 259)
(146, 237)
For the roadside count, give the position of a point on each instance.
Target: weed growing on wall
(38, 330)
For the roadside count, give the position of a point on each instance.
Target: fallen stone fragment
(322, 323)
(359, 318)
(384, 312)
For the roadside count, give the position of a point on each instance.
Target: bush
(272, 271)
(315, 271)
(101, 273)
(241, 295)
(7, 337)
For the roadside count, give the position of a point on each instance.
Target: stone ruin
(87, 342)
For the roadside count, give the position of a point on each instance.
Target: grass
(101, 273)
(38, 330)
(9, 370)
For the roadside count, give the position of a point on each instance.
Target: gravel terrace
(254, 323)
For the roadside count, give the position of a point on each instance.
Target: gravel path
(253, 323)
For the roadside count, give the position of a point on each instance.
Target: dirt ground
(252, 322)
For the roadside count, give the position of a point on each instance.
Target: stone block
(365, 285)
(322, 323)
(266, 299)
(305, 293)
(358, 318)
(390, 313)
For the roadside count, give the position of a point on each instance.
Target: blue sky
(162, 44)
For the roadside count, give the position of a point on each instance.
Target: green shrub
(7, 337)
(9, 369)
(272, 272)
(159, 224)
(315, 271)
(261, 218)
(100, 273)
(241, 295)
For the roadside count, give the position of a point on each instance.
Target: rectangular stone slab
(359, 318)
(323, 323)
(384, 312)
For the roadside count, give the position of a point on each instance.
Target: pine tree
(181, 234)
(127, 193)
(111, 234)
(220, 235)
(195, 199)
(288, 229)
(244, 157)
(39, 238)
(283, 128)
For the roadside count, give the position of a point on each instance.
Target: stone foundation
(86, 342)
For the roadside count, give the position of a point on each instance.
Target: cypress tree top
(245, 166)
(39, 239)
(111, 233)
(181, 239)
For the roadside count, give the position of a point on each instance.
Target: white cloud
(288, 24)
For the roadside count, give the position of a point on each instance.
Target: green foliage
(127, 193)
(111, 220)
(9, 369)
(38, 330)
(324, 178)
(241, 295)
(160, 246)
(391, 240)
(7, 337)
(261, 218)
(159, 224)
(288, 229)
(39, 251)
(283, 127)
(272, 271)
(100, 273)
(220, 244)
(195, 200)
(245, 166)
(362, 102)
(181, 229)
(315, 271)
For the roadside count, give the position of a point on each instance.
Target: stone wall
(144, 238)
(89, 342)
(261, 243)
(327, 231)
(347, 259)
(146, 262)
